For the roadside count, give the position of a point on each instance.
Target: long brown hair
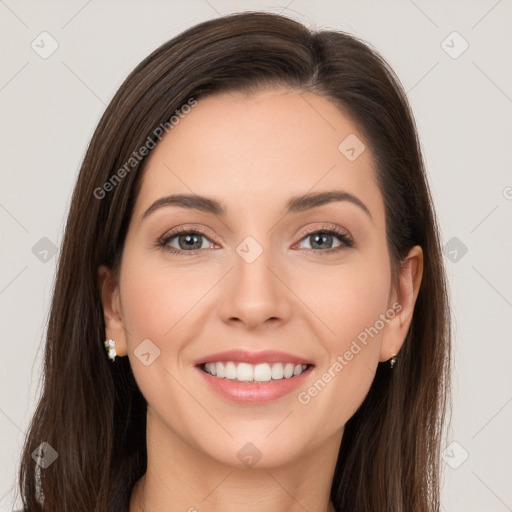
(91, 410)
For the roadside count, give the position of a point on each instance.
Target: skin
(252, 153)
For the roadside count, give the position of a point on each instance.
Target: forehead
(261, 148)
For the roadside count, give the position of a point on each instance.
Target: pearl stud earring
(110, 348)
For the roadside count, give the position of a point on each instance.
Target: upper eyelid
(200, 231)
(188, 229)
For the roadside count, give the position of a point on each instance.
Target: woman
(247, 366)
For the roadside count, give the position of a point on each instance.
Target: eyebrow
(295, 204)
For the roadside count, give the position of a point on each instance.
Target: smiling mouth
(254, 373)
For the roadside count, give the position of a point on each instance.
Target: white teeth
(298, 370)
(246, 372)
(221, 369)
(262, 372)
(211, 368)
(277, 371)
(230, 370)
(288, 370)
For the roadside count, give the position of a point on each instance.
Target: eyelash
(347, 242)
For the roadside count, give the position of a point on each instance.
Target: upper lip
(244, 356)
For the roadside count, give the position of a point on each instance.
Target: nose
(255, 293)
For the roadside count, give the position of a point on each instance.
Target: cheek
(351, 305)
(155, 301)
(155, 297)
(356, 299)
(348, 299)
(160, 302)
(361, 302)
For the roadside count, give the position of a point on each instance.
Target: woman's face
(271, 286)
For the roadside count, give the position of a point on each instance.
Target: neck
(181, 478)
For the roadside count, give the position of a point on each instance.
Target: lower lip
(243, 392)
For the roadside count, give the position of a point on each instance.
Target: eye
(187, 239)
(190, 241)
(323, 237)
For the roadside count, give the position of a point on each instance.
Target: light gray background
(50, 107)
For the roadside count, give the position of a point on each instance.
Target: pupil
(189, 238)
(322, 237)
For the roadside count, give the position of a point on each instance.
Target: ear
(403, 296)
(114, 325)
